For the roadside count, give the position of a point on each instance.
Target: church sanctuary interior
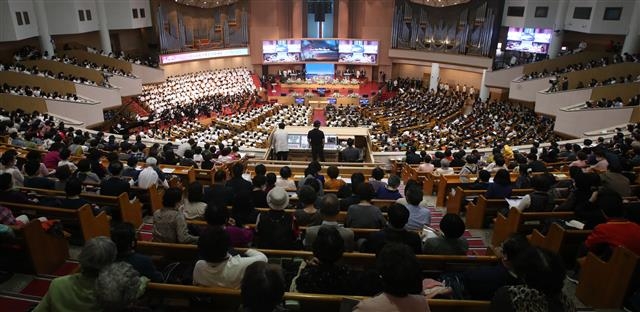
(319, 155)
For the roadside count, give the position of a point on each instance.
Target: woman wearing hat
(275, 228)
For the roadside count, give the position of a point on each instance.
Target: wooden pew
(455, 202)
(522, 222)
(357, 232)
(152, 195)
(476, 212)
(131, 211)
(204, 176)
(565, 242)
(356, 259)
(44, 253)
(447, 182)
(226, 298)
(604, 284)
(90, 225)
(383, 204)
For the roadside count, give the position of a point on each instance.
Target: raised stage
(368, 88)
(328, 86)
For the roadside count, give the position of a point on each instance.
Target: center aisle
(318, 114)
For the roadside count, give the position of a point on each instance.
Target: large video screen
(535, 40)
(358, 51)
(320, 50)
(320, 69)
(281, 51)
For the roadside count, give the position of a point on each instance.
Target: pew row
(229, 299)
(427, 262)
(131, 211)
(91, 226)
(35, 251)
(604, 284)
(564, 242)
(522, 222)
(455, 199)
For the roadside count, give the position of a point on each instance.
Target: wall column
(435, 76)
(46, 43)
(484, 90)
(297, 12)
(558, 29)
(632, 40)
(105, 40)
(343, 18)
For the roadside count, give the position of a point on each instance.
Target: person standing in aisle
(316, 141)
(280, 143)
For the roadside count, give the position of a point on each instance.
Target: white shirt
(148, 177)
(69, 164)
(280, 143)
(183, 148)
(228, 273)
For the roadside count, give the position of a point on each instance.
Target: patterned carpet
(22, 292)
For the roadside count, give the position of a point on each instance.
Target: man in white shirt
(218, 268)
(148, 176)
(184, 147)
(280, 143)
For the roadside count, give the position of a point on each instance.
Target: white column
(558, 29)
(632, 40)
(484, 90)
(105, 40)
(43, 27)
(435, 76)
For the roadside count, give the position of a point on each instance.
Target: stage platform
(327, 86)
(368, 88)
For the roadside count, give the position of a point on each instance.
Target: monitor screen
(534, 40)
(293, 140)
(321, 91)
(281, 51)
(320, 50)
(319, 69)
(299, 100)
(330, 141)
(333, 101)
(358, 51)
(364, 101)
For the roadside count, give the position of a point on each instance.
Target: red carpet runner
(318, 114)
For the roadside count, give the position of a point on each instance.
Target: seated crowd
(586, 65)
(37, 92)
(347, 116)
(294, 115)
(199, 93)
(611, 103)
(19, 68)
(486, 125)
(396, 242)
(87, 64)
(147, 61)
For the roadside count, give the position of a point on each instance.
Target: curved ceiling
(206, 4)
(440, 3)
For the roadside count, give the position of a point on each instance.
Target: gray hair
(96, 254)
(117, 286)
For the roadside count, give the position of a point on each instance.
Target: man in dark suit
(394, 232)
(316, 141)
(32, 179)
(536, 165)
(114, 185)
(351, 154)
(237, 183)
(218, 192)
